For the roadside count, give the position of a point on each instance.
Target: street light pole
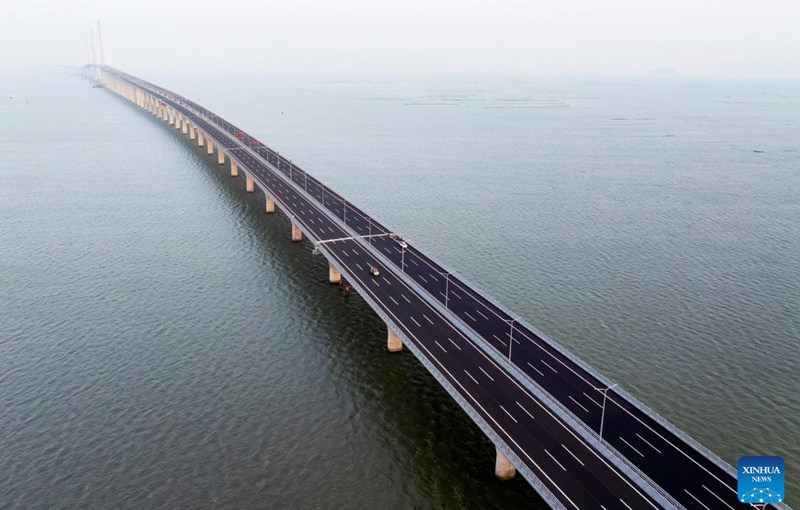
(603, 414)
(446, 290)
(511, 340)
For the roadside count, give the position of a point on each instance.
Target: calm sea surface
(163, 344)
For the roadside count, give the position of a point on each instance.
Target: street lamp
(604, 391)
(446, 290)
(511, 338)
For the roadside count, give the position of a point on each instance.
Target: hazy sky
(695, 37)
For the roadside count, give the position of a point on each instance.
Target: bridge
(579, 439)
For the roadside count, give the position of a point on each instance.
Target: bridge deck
(452, 325)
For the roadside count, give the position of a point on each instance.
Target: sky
(720, 38)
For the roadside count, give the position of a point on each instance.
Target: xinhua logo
(760, 480)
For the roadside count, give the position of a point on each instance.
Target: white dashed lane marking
(526, 411)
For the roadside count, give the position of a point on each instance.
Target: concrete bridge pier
(185, 127)
(334, 276)
(250, 185)
(270, 205)
(297, 234)
(178, 121)
(220, 155)
(393, 343)
(503, 468)
(234, 169)
(210, 147)
(200, 138)
(192, 133)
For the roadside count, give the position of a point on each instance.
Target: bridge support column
(270, 205)
(234, 169)
(210, 147)
(251, 186)
(334, 276)
(503, 468)
(178, 121)
(297, 234)
(192, 134)
(393, 343)
(200, 138)
(185, 127)
(220, 155)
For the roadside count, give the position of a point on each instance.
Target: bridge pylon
(393, 342)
